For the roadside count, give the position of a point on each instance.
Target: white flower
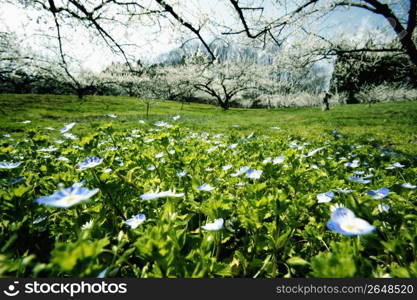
(214, 226)
(87, 225)
(205, 187)
(135, 221)
(232, 146)
(176, 117)
(63, 158)
(112, 115)
(26, 122)
(250, 135)
(142, 121)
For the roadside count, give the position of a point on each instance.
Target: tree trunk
(80, 95)
(351, 98)
(224, 105)
(147, 110)
(325, 105)
(411, 49)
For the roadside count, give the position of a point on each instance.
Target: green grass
(395, 124)
(273, 224)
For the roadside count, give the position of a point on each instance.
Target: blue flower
(227, 167)
(182, 173)
(214, 226)
(379, 194)
(70, 136)
(9, 165)
(353, 164)
(408, 186)
(67, 197)
(311, 153)
(205, 187)
(358, 179)
(267, 160)
(241, 171)
(344, 221)
(161, 124)
(395, 166)
(278, 160)
(89, 162)
(254, 174)
(156, 195)
(49, 149)
(159, 155)
(135, 221)
(67, 127)
(39, 219)
(102, 274)
(325, 197)
(383, 208)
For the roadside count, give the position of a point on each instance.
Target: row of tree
(281, 59)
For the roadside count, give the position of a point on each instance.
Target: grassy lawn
(395, 124)
(172, 201)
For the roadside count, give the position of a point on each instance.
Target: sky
(149, 41)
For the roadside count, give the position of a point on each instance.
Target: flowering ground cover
(164, 199)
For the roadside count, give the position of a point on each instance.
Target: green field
(211, 193)
(395, 124)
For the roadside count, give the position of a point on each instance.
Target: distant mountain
(222, 51)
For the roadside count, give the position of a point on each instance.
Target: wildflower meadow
(165, 200)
